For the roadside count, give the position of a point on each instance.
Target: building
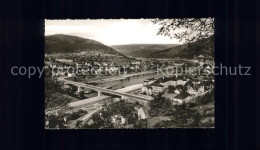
(157, 87)
(64, 60)
(141, 114)
(136, 62)
(201, 89)
(118, 120)
(174, 82)
(71, 74)
(181, 82)
(190, 90)
(147, 90)
(176, 101)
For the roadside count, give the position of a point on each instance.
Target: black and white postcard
(129, 73)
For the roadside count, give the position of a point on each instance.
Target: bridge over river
(119, 92)
(109, 91)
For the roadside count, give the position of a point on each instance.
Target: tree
(76, 115)
(180, 88)
(54, 94)
(186, 29)
(159, 105)
(171, 89)
(140, 124)
(183, 105)
(207, 98)
(197, 119)
(98, 121)
(55, 121)
(209, 123)
(78, 123)
(81, 94)
(121, 108)
(72, 89)
(52, 86)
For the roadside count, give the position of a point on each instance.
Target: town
(112, 91)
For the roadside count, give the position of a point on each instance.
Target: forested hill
(60, 43)
(141, 50)
(203, 47)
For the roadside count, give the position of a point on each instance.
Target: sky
(111, 32)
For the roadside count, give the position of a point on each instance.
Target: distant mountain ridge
(141, 50)
(202, 47)
(61, 43)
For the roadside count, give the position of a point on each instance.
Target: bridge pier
(123, 97)
(80, 89)
(99, 93)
